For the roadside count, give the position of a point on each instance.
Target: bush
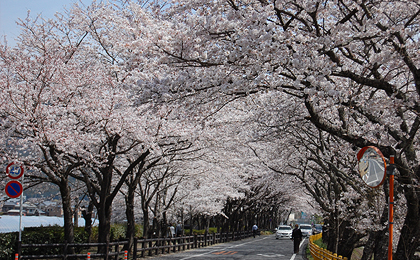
(117, 232)
(37, 235)
(8, 245)
(200, 231)
(320, 243)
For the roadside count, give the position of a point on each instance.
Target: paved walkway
(259, 248)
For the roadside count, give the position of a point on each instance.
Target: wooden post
(107, 250)
(117, 250)
(143, 246)
(135, 249)
(195, 240)
(150, 247)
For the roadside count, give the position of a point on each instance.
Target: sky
(12, 10)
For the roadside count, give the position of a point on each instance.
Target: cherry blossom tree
(354, 65)
(39, 77)
(88, 89)
(70, 106)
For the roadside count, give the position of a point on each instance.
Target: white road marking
(210, 252)
(270, 255)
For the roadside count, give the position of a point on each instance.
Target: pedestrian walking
(254, 230)
(297, 238)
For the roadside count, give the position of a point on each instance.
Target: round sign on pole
(372, 166)
(14, 170)
(13, 189)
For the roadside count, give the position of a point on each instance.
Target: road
(259, 248)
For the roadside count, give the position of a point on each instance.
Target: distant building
(51, 208)
(8, 205)
(29, 208)
(13, 208)
(16, 212)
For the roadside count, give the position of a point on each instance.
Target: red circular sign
(13, 189)
(14, 170)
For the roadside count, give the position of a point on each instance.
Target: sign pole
(390, 172)
(20, 214)
(14, 189)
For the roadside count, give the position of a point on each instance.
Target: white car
(306, 230)
(283, 231)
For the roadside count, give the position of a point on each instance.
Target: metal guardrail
(319, 253)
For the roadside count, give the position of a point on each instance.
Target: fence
(319, 253)
(141, 247)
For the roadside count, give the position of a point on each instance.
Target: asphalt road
(259, 248)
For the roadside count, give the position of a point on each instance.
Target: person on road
(297, 238)
(254, 229)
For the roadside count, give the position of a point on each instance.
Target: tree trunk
(87, 215)
(348, 238)
(67, 212)
(410, 233)
(377, 243)
(330, 232)
(104, 217)
(129, 213)
(165, 227)
(146, 223)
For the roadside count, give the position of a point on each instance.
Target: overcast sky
(11, 10)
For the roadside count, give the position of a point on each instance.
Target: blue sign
(13, 189)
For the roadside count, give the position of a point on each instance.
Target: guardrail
(319, 253)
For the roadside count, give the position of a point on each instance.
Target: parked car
(317, 229)
(306, 230)
(283, 231)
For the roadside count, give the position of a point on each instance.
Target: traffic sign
(14, 170)
(14, 189)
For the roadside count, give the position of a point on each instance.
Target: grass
(319, 243)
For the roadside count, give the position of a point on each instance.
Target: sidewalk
(299, 256)
(302, 252)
